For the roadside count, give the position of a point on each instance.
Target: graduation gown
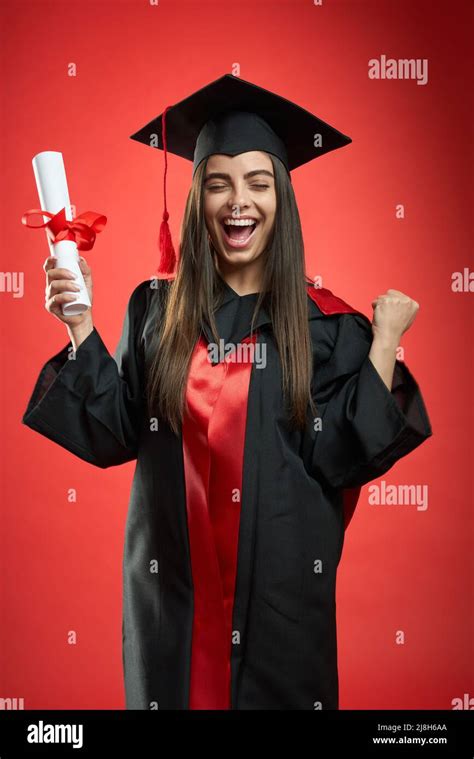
(244, 516)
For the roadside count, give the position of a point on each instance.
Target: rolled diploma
(53, 192)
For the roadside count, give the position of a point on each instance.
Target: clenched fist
(394, 313)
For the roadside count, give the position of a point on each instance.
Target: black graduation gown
(299, 489)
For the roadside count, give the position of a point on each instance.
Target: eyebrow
(220, 175)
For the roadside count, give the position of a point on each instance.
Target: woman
(256, 407)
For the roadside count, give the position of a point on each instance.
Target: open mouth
(238, 234)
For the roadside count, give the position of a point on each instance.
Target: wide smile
(238, 236)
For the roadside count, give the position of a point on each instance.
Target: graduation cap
(232, 116)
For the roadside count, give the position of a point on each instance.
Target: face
(239, 206)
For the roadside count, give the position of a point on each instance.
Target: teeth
(239, 222)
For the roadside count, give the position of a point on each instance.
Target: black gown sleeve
(365, 427)
(91, 404)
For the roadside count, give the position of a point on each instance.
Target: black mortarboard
(233, 116)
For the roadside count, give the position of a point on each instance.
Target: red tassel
(168, 255)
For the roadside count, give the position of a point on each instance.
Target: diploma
(53, 192)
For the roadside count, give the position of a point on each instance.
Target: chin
(237, 257)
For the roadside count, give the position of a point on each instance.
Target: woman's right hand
(58, 282)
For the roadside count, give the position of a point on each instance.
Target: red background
(401, 569)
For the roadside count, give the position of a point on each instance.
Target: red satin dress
(213, 449)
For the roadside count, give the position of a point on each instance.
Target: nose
(239, 198)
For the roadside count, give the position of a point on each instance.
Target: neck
(245, 280)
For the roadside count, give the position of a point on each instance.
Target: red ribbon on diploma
(82, 230)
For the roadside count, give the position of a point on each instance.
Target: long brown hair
(197, 290)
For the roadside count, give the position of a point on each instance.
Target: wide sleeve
(91, 402)
(364, 427)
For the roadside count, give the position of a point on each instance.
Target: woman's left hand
(394, 313)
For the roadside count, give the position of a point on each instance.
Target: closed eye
(222, 186)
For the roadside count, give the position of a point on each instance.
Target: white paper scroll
(51, 182)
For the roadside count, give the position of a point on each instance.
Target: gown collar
(322, 303)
